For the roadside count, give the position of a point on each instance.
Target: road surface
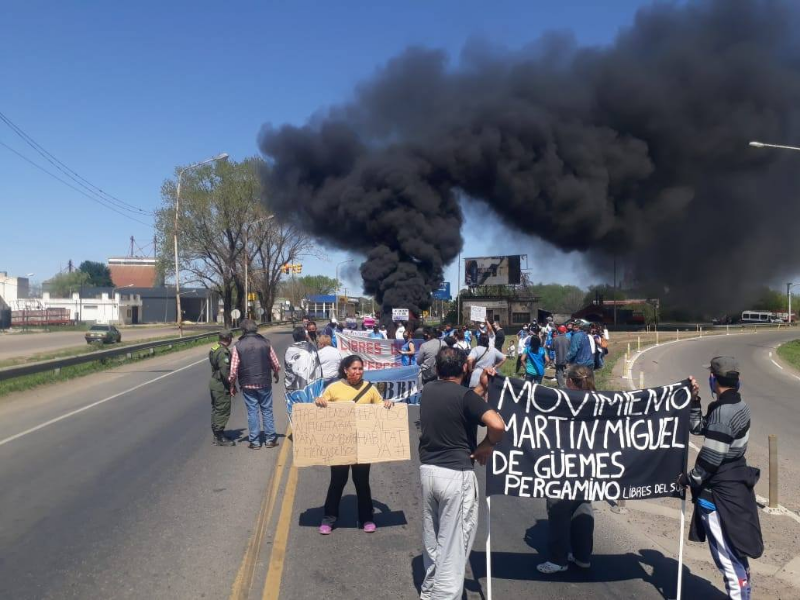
(771, 389)
(26, 344)
(127, 498)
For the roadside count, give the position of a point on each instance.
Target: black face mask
(312, 335)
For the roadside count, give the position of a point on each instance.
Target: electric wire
(80, 191)
(70, 173)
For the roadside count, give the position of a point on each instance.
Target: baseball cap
(724, 366)
(225, 334)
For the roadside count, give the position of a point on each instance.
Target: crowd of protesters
(455, 375)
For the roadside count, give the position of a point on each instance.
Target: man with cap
(222, 391)
(722, 483)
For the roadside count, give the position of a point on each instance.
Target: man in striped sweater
(722, 484)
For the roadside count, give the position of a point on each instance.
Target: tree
(99, 274)
(223, 224)
(64, 284)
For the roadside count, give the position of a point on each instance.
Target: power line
(56, 177)
(74, 176)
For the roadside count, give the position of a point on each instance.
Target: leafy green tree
(99, 274)
(64, 285)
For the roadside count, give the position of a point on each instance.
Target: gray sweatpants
(449, 523)
(561, 376)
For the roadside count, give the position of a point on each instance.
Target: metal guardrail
(57, 364)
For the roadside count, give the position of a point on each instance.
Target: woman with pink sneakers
(351, 387)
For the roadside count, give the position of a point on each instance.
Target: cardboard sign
(477, 313)
(399, 314)
(345, 433)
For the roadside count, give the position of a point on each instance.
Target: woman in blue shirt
(407, 351)
(535, 359)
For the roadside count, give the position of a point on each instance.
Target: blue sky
(123, 92)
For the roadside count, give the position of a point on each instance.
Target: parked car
(105, 334)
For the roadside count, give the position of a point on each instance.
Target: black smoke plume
(638, 150)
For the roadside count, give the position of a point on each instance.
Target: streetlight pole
(178, 314)
(789, 287)
(336, 304)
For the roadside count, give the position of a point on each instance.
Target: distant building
(133, 271)
(120, 307)
(512, 310)
(12, 289)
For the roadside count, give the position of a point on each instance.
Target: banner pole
(488, 548)
(680, 547)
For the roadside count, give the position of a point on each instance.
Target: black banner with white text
(593, 446)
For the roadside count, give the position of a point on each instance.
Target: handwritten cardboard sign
(344, 433)
(477, 313)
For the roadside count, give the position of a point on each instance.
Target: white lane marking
(93, 404)
(776, 364)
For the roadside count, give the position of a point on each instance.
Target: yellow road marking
(244, 577)
(272, 585)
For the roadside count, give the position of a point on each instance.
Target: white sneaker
(583, 565)
(548, 568)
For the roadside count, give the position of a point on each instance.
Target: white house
(117, 310)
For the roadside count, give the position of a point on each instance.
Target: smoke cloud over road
(637, 150)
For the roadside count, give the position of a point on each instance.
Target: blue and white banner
(402, 384)
(306, 395)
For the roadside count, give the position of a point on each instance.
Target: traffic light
(285, 268)
(298, 268)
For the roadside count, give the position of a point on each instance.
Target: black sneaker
(271, 444)
(253, 446)
(221, 440)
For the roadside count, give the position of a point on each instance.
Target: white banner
(477, 313)
(399, 314)
(376, 353)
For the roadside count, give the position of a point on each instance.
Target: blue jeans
(534, 378)
(259, 403)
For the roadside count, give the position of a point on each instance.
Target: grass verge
(27, 382)
(790, 352)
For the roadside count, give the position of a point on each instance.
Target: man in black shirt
(499, 335)
(448, 446)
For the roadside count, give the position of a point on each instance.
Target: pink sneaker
(325, 529)
(369, 527)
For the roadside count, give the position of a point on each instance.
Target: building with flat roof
(133, 271)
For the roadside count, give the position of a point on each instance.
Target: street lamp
(336, 304)
(789, 287)
(246, 264)
(178, 316)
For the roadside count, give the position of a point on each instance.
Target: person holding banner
(570, 523)
(351, 387)
(722, 483)
(449, 419)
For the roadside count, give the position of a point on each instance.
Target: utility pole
(615, 290)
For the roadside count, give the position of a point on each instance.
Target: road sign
(477, 313)
(399, 314)
(260, 311)
(236, 313)
(443, 293)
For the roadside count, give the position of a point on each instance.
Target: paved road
(128, 499)
(772, 393)
(26, 344)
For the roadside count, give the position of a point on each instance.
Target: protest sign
(477, 313)
(399, 314)
(345, 433)
(402, 384)
(375, 353)
(304, 395)
(589, 445)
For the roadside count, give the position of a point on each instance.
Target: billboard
(443, 293)
(492, 270)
